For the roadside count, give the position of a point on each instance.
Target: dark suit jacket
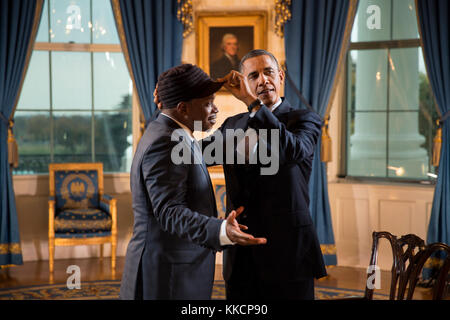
(221, 67)
(277, 206)
(171, 253)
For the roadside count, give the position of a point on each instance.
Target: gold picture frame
(249, 29)
(218, 181)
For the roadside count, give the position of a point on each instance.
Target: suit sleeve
(297, 138)
(167, 185)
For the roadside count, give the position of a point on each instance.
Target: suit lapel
(242, 122)
(284, 107)
(186, 140)
(198, 154)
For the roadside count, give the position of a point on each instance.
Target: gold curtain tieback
(13, 149)
(437, 141)
(325, 150)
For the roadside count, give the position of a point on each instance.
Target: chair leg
(113, 254)
(51, 254)
(101, 251)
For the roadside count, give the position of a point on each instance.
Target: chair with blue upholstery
(79, 212)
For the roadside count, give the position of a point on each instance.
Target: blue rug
(109, 290)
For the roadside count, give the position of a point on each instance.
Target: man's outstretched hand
(235, 234)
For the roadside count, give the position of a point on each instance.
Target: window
(391, 113)
(75, 104)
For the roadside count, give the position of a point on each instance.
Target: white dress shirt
(253, 136)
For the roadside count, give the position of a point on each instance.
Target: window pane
(411, 120)
(404, 20)
(42, 35)
(112, 85)
(32, 132)
(384, 20)
(35, 92)
(71, 79)
(372, 21)
(113, 140)
(366, 144)
(407, 157)
(70, 20)
(72, 136)
(104, 26)
(368, 77)
(404, 79)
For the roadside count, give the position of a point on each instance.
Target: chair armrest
(109, 205)
(51, 217)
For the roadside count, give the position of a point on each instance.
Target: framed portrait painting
(224, 38)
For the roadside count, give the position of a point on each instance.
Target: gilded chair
(79, 212)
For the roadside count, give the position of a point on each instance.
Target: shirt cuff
(224, 240)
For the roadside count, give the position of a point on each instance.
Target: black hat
(183, 83)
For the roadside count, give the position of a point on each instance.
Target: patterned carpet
(109, 290)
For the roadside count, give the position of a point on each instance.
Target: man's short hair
(227, 36)
(256, 53)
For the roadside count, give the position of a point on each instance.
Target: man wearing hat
(176, 232)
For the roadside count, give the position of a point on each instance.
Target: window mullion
(92, 94)
(52, 124)
(388, 82)
(388, 86)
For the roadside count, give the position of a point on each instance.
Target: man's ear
(182, 108)
(281, 74)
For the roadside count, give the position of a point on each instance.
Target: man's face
(204, 110)
(230, 46)
(264, 78)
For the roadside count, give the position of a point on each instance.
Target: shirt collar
(276, 105)
(188, 131)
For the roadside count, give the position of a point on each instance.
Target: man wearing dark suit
(176, 232)
(229, 60)
(277, 205)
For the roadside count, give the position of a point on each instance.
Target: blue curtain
(154, 38)
(16, 26)
(313, 40)
(435, 31)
